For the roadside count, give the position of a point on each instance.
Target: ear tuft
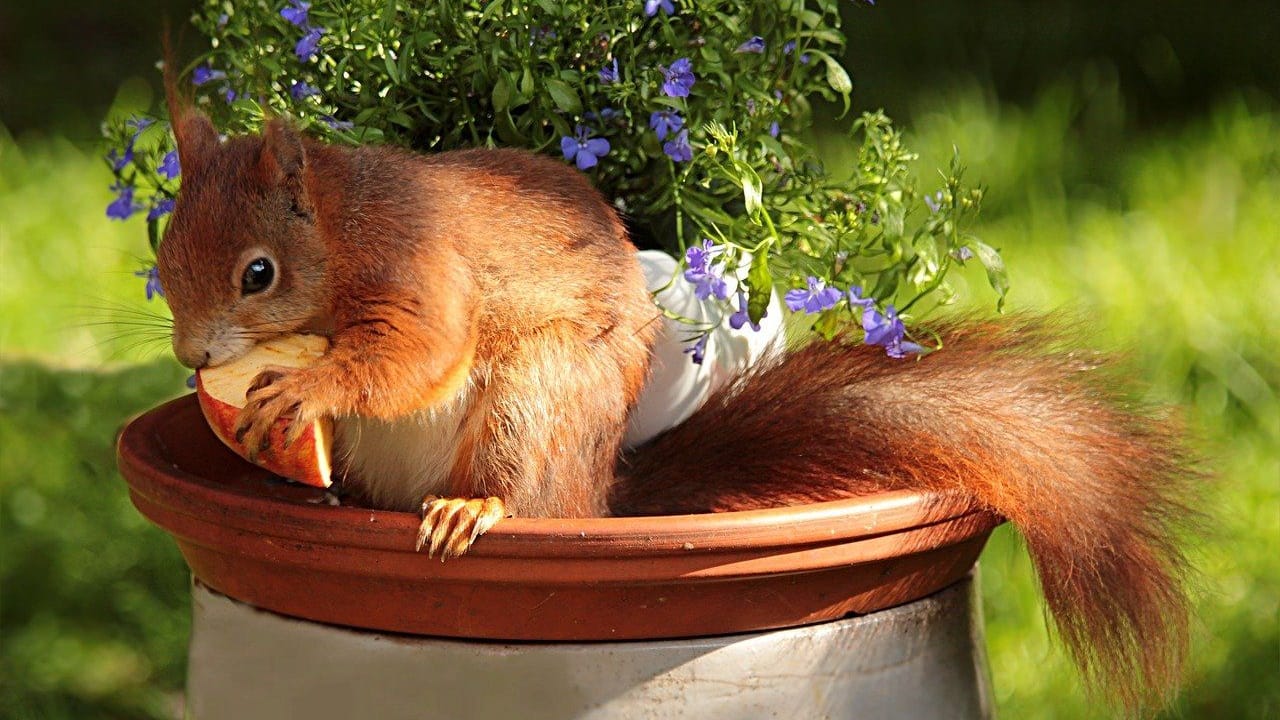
(197, 141)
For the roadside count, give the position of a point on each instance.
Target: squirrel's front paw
(277, 392)
(453, 524)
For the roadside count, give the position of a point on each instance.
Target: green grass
(95, 612)
(1168, 242)
(66, 268)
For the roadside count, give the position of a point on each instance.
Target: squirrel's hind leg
(543, 433)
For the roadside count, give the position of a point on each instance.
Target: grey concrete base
(922, 660)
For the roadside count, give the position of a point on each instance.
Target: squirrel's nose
(189, 353)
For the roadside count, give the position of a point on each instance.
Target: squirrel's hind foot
(451, 525)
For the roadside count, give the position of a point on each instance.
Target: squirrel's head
(242, 259)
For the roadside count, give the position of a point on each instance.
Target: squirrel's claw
(273, 395)
(450, 525)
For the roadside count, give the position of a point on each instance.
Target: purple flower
(708, 284)
(665, 121)
(817, 298)
(605, 114)
(301, 90)
(651, 7)
(697, 257)
(139, 124)
(754, 45)
(678, 79)
(583, 150)
(296, 13)
(774, 130)
(169, 166)
(541, 33)
(228, 94)
(706, 278)
(152, 274)
(609, 74)
(119, 159)
(678, 148)
(742, 317)
(160, 208)
(790, 47)
(887, 331)
(962, 254)
(698, 350)
(306, 47)
(204, 74)
(124, 205)
(335, 123)
(855, 298)
(222, 20)
(935, 202)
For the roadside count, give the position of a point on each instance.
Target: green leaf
(565, 97)
(501, 93)
(153, 233)
(996, 275)
(760, 280)
(392, 71)
(507, 129)
(752, 192)
(837, 77)
(829, 324)
(526, 85)
(674, 103)
(886, 285)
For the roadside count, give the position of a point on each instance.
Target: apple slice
(222, 390)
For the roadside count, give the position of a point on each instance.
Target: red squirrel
(490, 330)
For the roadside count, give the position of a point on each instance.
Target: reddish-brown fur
(505, 275)
(1006, 413)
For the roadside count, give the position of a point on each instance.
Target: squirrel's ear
(196, 136)
(283, 159)
(197, 141)
(283, 162)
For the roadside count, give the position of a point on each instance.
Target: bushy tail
(1006, 412)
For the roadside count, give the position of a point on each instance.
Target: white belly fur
(395, 464)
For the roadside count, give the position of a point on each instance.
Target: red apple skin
(308, 459)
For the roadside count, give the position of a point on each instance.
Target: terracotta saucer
(279, 546)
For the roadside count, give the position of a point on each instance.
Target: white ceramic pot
(919, 660)
(677, 386)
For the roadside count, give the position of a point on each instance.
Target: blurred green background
(1132, 156)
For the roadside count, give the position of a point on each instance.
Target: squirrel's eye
(257, 277)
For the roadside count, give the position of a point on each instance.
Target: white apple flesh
(222, 389)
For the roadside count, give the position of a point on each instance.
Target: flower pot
(281, 547)
(719, 579)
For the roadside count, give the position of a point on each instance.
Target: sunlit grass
(67, 288)
(1170, 249)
